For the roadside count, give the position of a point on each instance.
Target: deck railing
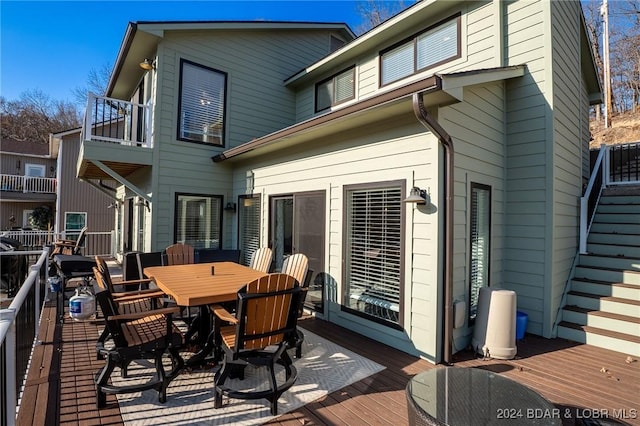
(615, 165)
(95, 243)
(20, 319)
(25, 184)
(117, 121)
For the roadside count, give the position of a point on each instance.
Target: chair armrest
(134, 282)
(223, 314)
(140, 315)
(136, 295)
(64, 243)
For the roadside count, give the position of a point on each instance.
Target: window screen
(249, 227)
(198, 220)
(480, 236)
(373, 252)
(202, 100)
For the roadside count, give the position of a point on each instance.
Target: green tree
(41, 218)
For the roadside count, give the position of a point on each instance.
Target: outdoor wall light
(230, 207)
(113, 205)
(143, 203)
(417, 196)
(148, 64)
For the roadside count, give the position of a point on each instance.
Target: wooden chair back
(103, 269)
(261, 259)
(180, 254)
(297, 266)
(80, 241)
(266, 312)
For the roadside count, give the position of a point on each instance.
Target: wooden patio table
(195, 285)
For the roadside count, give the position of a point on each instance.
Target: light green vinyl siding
(394, 149)
(256, 64)
(477, 128)
(568, 144)
(526, 212)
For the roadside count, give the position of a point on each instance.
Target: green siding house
(304, 138)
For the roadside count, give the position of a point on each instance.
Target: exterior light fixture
(143, 203)
(113, 205)
(148, 64)
(230, 207)
(417, 196)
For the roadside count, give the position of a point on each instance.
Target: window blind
(202, 104)
(437, 45)
(397, 63)
(345, 87)
(198, 220)
(249, 223)
(373, 255)
(480, 228)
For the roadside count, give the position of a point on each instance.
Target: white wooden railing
(117, 121)
(17, 183)
(95, 243)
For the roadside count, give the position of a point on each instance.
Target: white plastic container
(494, 335)
(82, 305)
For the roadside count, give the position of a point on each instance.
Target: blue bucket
(521, 324)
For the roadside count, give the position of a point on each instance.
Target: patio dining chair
(180, 254)
(297, 265)
(266, 316)
(261, 259)
(69, 246)
(137, 336)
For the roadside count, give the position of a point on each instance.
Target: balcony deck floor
(581, 378)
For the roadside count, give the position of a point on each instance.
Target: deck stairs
(603, 302)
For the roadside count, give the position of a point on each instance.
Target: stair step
(600, 319)
(618, 217)
(608, 238)
(595, 302)
(621, 342)
(619, 208)
(621, 250)
(632, 196)
(606, 288)
(614, 275)
(631, 264)
(615, 228)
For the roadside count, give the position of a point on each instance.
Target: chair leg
(274, 389)
(219, 379)
(162, 379)
(101, 379)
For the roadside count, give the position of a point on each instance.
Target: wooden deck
(582, 380)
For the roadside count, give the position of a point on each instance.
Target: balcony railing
(117, 121)
(615, 165)
(95, 243)
(19, 324)
(25, 184)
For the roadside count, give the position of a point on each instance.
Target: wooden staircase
(603, 304)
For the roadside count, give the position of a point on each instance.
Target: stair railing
(589, 200)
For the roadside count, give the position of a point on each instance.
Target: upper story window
(201, 104)
(437, 45)
(335, 90)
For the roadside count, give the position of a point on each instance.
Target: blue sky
(53, 45)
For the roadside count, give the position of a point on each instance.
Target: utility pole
(604, 12)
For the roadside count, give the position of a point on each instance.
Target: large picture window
(201, 104)
(437, 45)
(248, 226)
(373, 251)
(198, 220)
(480, 237)
(335, 90)
(73, 223)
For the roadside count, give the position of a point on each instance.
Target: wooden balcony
(26, 185)
(116, 138)
(582, 381)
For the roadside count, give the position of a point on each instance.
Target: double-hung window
(373, 251)
(437, 45)
(336, 89)
(198, 220)
(480, 237)
(201, 108)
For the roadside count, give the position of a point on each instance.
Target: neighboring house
(78, 203)
(27, 181)
(482, 106)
